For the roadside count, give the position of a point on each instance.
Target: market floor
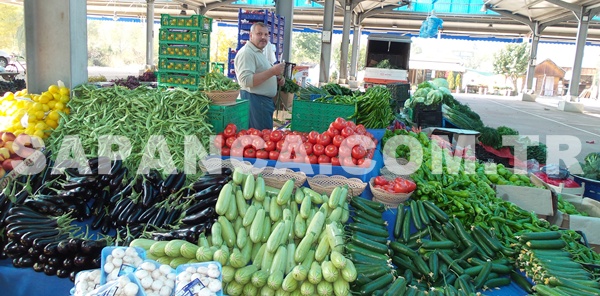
(574, 134)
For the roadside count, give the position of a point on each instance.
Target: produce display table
(25, 281)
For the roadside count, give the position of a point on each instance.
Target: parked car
(4, 58)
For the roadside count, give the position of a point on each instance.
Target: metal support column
(356, 31)
(150, 34)
(326, 37)
(286, 10)
(56, 43)
(345, 42)
(535, 40)
(582, 31)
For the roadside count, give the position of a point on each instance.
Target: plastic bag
(430, 27)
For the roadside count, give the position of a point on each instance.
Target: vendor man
(258, 78)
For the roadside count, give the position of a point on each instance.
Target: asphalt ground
(570, 134)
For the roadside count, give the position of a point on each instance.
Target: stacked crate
(184, 50)
(246, 18)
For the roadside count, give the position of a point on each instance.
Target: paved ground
(574, 134)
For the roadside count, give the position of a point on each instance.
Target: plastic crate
(221, 116)
(400, 92)
(168, 79)
(187, 66)
(183, 51)
(316, 116)
(592, 187)
(428, 119)
(195, 21)
(184, 36)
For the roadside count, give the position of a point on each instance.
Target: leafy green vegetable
(384, 64)
(290, 86)
(591, 166)
(439, 82)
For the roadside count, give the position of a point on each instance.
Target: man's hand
(280, 80)
(278, 69)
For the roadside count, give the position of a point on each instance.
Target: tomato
(293, 139)
(312, 137)
(270, 146)
(219, 141)
(335, 161)
(361, 130)
(408, 185)
(255, 132)
(344, 151)
(312, 159)
(262, 154)
(276, 136)
(323, 159)
(299, 158)
(331, 150)
(337, 140)
(266, 137)
(347, 132)
(225, 151)
(352, 141)
(304, 138)
(258, 142)
(348, 161)
(279, 144)
(380, 180)
(370, 153)
(308, 148)
(324, 139)
(250, 153)
(230, 141)
(351, 125)
(364, 162)
(230, 130)
(358, 152)
(285, 156)
(266, 131)
(332, 131)
(273, 155)
(339, 123)
(242, 133)
(237, 152)
(318, 149)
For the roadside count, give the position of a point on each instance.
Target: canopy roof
(493, 18)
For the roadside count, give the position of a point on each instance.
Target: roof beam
(531, 4)
(557, 21)
(213, 5)
(509, 14)
(376, 11)
(566, 5)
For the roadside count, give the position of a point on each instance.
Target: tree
(222, 40)
(511, 61)
(450, 79)
(458, 82)
(12, 28)
(306, 47)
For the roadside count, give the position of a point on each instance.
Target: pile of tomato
(343, 143)
(397, 185)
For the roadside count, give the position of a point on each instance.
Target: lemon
(45, 98)
(56, 96)
(59, 106)
(53, 115)
(30, 130)
(54, 89)
(39, 134)
(38, 107)
(46, 108)
(52, 104)
(40, 114)
(64, 99)
(41, 126)
(65, 91)
(67, 111)
(51, 123)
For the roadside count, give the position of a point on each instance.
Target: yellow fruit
(56, 96)
(40, 114)
(59, 106)
(46, 108)
(65, 91)
(64, 99)
(54, 89)
(53, 115)
(52, 104)
(67, 111)
(30, 130)
(38, 107)
(45, 98)
(39, 134)
(41, 126)
(51, 123)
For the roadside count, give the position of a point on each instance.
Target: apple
(8, 164)
(4, 153)
(8, 137)
(10, 146)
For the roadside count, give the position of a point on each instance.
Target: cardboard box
(558, 189)
(540, 201)
(589, 225)
(384, 76)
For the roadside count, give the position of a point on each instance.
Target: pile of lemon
(33, 114)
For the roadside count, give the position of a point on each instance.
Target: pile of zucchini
(544, 259)
(441, 257)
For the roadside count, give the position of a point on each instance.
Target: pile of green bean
(137, 115)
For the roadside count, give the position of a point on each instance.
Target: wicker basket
(215, 164)
(388, 198)
(223, 97)
(325, 184)
(277, 177)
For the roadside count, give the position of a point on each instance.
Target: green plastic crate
(184, 51)
(193, 21)
(169, 79)
(221, 116)
(316, 116)
(184, 36)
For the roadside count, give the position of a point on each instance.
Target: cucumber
(224, 199)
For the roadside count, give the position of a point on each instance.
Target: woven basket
(223, 97)
(325, 184)
(277, 177)
(215, 164)
(388, 198)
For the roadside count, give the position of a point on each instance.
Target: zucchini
(439, 214)
(224, 199)
(249, 216)
(232, 211)
(242, 205)
(227, 231)
(398, 222)
(553, 244)
(285, 194)
(372, 230)
(429, 244)
(359, 203)
(256, 229)
(546, 235)
(238, 176)
(398, 287)
(377, 284)
(305, 207)
(363, 242)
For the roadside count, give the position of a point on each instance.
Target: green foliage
(450, 79)
(12, 28)
(458, 81)
(99, 78)
(306, 47)
(511, 61)
(221, 41)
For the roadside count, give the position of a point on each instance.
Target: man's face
(259, 37)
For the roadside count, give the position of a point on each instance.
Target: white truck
(386, 59)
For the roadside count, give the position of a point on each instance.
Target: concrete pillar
(326, 37)
(535, 40)
(150, 34)
(56, 43)
(582, 31)
(286, 10)
(355, 47)
(345, 42)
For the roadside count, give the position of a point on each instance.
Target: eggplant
(200, 217)
(208, 180)
(34, 252)
(172, 217)
(148, 214)
(23, 210)
(62, 273)
(148, 194)
(79, 182)
(210, 191)
(116, 167)
(72, 275)
(26, 261)
(28, 238)
(159, 218)
(134, 215)
(15, 233)
(51, 249)
(43, 258)
(105, 228)
(75, 192)
(55, 261)
(128, 210)
(92, 247)
(96, 262)
(38, 266)
(49, 270)
(119, 207)
(125, 192)
(97, 222)
(81, 260)
(21, 196)
(42, 206)
(67, 263)
(117, 178)
(165, 187)
(179, 182)
(41, 243)
(201, 205)
(74, 245)
(154, 176)
(14, 249)
(63, 247)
